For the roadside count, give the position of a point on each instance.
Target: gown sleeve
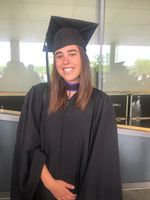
(28, 156)
(101, 179)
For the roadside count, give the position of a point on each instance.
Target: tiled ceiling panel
(86, 2)
(21, 30)
(88, 13)
(12, 10)
(128, 16)
(44, 11)
(125, 22)
(140, 4)
(66, 2)
(117, 4)
(65, 11)
(38, 11)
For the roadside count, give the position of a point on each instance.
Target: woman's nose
(66, 59)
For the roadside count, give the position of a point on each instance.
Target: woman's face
(68, 63)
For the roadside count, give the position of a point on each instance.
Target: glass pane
(136, 60)
(33, 57)
(129, 57)
(19, 76)
(4, 59)
(97, 67)
(127, 34)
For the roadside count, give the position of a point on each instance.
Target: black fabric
(66, 31)
(78, 147)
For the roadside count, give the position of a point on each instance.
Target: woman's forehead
(68, 48)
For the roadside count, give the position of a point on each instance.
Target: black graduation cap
(66, 31)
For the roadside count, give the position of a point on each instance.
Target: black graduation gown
(78, 147)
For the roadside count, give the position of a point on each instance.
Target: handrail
(12, 93)
(137, 128)
(11, 112)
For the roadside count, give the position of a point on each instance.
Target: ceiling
(126, 21)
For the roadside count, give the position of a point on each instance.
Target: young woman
(66, 146)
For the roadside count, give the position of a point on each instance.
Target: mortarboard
(66, 31)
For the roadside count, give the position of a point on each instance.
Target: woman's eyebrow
(72, 50)
(58, 52)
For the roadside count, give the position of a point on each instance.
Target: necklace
(72, 86)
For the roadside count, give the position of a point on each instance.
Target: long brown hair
(58, 96)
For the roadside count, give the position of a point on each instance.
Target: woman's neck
(70, 93)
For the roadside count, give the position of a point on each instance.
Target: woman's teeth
(68, 69)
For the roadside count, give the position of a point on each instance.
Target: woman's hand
(61, 190)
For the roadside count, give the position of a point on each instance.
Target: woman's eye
(58, 56)
(73, 54)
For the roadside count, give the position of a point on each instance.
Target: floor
(137, 194)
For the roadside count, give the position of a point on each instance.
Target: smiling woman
(67, 147)
(68, 63)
